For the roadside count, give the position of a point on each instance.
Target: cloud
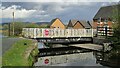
(108, 3)
(46, 11)
(19, 13)
(60, 0)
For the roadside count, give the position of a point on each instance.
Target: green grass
(0, 61)
(15, 55)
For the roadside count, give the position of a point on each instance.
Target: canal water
(42, 45)
(91, 58)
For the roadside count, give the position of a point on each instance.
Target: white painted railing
(50, 33)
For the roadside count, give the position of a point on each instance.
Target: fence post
(9, 29)
(34, 32)
(97, 31)
(92, 32)
(106, 32)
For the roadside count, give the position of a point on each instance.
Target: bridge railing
(50, 33)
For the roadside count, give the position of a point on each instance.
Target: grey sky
(46, 11)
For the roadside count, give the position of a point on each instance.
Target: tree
(17, 27)
(5, 29)
(116, 25)
(44, 26)
(31, 25)
(5, 26)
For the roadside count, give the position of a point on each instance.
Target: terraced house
(104, 17)
(76, 24)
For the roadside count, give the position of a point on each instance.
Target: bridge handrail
(47, 32)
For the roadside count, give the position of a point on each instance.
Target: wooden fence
(104, 31)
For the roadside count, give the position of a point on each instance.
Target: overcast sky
(46, 11)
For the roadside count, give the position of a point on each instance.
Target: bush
(17, 28)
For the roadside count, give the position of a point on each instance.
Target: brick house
(103, 17)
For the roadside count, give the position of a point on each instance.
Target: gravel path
(7, 43)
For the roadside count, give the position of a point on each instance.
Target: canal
(81, 58)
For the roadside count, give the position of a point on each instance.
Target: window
(105, 22)
(105, 25)
(101, 22)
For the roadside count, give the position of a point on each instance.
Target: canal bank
(104, 42)
(21, 53)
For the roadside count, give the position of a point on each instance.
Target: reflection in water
(108, 59)
(41, 45)
(78, 59)
(82, 59)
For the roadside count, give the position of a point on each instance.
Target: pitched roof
(53, 20)
(72, 23)
(86, 24)
(91, 23)
(105, 12)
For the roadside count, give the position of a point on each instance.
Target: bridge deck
(89, 46)
(56, 33)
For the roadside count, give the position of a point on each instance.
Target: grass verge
(0, 61)
(15, 56)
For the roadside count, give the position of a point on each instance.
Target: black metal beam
(61, 51)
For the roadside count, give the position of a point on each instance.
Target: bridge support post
(106, 47)
(91, 40)
(106, 31)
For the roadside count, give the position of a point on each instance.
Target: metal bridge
(56, 33)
